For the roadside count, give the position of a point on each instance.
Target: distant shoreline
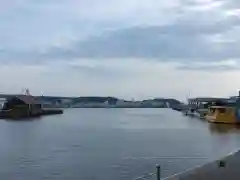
(117, 107)
(100, 102)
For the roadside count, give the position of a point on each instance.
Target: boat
(227, 113)
(223, 114)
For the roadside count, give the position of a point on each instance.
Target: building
(23, 105)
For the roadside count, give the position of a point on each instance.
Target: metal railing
(162, 172)
(148, 176)
(225, 167)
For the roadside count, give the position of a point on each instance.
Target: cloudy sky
(128, 48)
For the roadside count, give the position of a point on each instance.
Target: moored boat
(223, 114)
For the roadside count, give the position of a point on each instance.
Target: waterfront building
(22, 105)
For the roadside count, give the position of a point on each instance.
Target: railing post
(158, 174)
(222, 163)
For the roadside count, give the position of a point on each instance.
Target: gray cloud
(77, 47)
(208, 67)
(182, 40)
(186, 37)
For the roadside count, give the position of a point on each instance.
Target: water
(109, 144)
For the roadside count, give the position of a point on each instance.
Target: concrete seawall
(227, 168)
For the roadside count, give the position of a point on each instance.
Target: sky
(128, 49)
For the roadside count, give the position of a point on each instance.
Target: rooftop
(207, 99)
(28, 99)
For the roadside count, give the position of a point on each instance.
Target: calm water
(109, 144)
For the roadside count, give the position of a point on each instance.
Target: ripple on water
(90, 144)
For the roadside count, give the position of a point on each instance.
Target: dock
(198, 107)
(16, 115)
(51, 111)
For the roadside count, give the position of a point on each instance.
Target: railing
(150, 176)
(223, 169)
(166, 164)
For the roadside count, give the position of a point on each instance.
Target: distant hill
(113, 100)
(95, 99)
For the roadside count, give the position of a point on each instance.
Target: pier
(199, 106)
(197, 102)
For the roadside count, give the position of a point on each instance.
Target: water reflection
(223, 128)
(23, 119)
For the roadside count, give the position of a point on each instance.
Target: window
(222, 110)
(212, 110)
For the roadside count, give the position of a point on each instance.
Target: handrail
(144, 177)
(220, 161)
